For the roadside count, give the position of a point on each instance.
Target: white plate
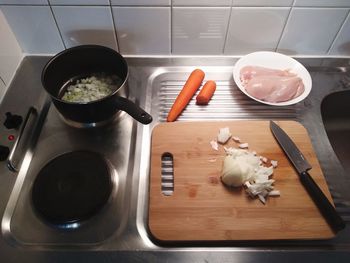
(276, 61)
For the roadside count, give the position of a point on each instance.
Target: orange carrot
(206, 93)
(189, 89)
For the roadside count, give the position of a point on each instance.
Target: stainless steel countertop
(148, 82)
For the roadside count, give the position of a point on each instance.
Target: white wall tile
(324, 3)
(143, 30)
(199, 30)
(202, 3)
(34, 28)
(142, 2)
(255, 29)
(341, 45)
(85, 25)
(264, 3)
(10, 51)
(24, 2)
(311, 31)
(79, 2)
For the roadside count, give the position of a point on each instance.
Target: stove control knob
(4, 152)
(12, 121)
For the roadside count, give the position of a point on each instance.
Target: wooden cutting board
(201, 208)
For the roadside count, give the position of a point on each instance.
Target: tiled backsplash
(181, 27)
(10, 54)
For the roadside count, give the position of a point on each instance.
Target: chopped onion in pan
(91, 88)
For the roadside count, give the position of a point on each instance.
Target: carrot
(206, 93)
(189, 89)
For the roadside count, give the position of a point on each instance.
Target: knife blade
(302, 166)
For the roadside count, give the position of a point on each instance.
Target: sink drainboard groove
(228, 103)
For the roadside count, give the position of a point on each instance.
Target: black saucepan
(83, 61)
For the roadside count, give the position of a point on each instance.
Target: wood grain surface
(201, 208)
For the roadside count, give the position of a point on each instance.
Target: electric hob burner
(71, 188)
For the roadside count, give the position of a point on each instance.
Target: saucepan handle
(133, 110)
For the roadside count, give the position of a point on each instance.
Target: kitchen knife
(302, 166)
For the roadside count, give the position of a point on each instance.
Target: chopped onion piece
(265, 171)
(262, 186)
(274, 193)
(274, 163)
(224, 135)
(262, 199)
(243, 145)
(247, 184)
(264, 159)
(236, 139)
(234, 151)
(214, 145)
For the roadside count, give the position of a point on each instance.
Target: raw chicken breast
(248, 72)
(271, 85)
(275, 88)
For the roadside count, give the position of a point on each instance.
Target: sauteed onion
(91, 88)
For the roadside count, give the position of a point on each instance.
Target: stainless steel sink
(229, 103)
(154, 83)
(335, 110)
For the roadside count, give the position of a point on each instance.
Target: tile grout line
(187, 6)
(227, 30)
(59, 31)
(284, 27)
(339, 30)
(171, 27)
(114, 26)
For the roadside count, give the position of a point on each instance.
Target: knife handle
(322, 202)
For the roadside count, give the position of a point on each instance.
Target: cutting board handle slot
(167, 174)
